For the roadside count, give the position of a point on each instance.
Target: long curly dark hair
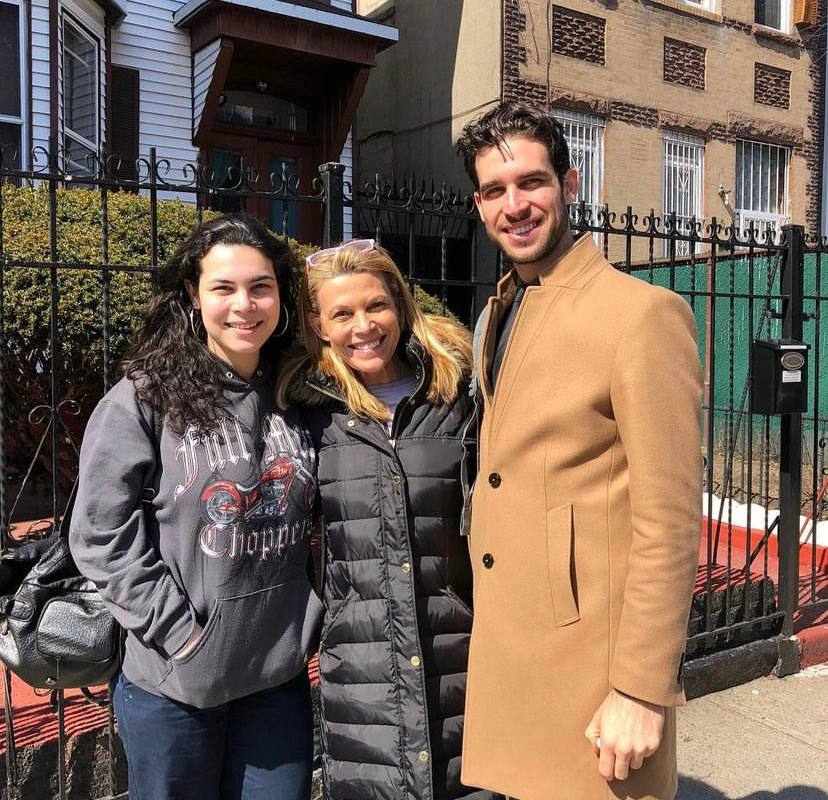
(171, 367)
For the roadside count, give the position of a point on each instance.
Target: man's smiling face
(521, 201)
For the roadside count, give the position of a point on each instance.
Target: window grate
(761, 188)
(585, 137)
(683, 183)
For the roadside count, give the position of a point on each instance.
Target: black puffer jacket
(397, 586)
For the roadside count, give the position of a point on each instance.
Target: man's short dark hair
(512, 118)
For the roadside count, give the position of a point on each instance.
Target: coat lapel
(571, 272)
(534, 310)
(494, 309)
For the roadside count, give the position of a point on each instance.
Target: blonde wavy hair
(447, 343)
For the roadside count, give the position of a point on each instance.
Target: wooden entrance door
(283, 170)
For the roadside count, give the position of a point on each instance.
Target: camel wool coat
(584, 532)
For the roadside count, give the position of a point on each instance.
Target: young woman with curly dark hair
(208, 579)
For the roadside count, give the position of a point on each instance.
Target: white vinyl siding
(89, 15)
(761, 187)
(14, 114)
(585, 137)
(40, 80)
(148, 41)
(683, 182)
(204, 64)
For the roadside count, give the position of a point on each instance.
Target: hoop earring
(284, 328)
(193, 322)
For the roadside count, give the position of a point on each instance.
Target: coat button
(350, 423)
(488, 560)
(415, 661)
(494, 480)
(423, 756)
(405, 567)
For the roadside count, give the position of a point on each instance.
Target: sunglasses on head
(359, 245)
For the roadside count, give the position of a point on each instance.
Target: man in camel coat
(585, 512)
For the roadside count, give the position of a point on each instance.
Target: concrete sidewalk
(765, 740)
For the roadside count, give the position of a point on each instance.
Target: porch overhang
(294, 36)
(312, 15)
(114, 13)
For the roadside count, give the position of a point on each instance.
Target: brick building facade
(665, 102)
(669, 101)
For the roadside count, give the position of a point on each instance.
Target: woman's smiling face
(238, 297)
(359, 319)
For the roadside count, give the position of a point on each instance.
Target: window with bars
(683, 183)
(12, 87)
(585, 137)
(761, 187)
(80, 98)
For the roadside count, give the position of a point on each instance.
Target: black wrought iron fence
(433, 234)
(79, 254)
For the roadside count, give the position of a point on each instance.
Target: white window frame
(79, 29)
(705, 5)
(585, 131)
(683, 153)
(763, 218)
(785, 8)
(23, 119)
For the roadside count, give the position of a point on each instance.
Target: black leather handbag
(55, 632)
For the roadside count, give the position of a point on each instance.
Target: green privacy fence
(737, 301)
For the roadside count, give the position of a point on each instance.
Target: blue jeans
(259, 747)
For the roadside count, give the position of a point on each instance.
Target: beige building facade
(671, 105)
(444, 71)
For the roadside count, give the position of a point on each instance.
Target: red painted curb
(813, 644)
(808, 552)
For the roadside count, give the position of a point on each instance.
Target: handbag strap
(66, 519)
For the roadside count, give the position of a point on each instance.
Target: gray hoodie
(222, 548)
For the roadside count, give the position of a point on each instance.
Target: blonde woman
(386, 388)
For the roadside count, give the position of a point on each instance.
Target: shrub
(84, 290)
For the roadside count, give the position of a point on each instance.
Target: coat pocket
(560, 563)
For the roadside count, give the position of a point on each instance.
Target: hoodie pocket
(251, 642)
(560, 562)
